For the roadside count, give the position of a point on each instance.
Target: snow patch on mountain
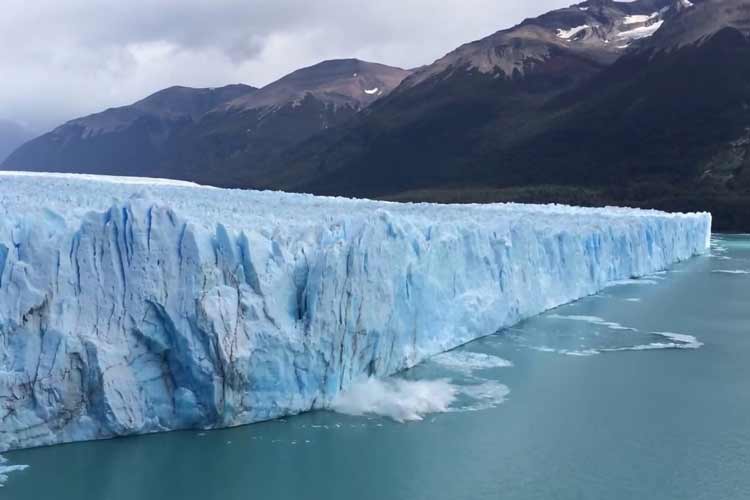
(639, 18)
(572, 32)
(640, 32)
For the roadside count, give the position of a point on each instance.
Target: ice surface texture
(130, 308)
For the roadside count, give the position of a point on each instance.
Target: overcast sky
(64, 58)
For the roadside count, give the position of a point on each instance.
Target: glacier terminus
(132, 306)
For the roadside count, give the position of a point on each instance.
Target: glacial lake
(642, 391)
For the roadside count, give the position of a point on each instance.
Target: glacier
(132, 306)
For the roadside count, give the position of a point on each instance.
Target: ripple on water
(675, 340)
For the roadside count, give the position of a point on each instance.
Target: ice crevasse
(130, 306)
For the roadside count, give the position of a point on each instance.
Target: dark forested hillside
(643, 103)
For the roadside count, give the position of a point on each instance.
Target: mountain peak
(172, 103)
(340, 82)
(192, 101)
(599, 31)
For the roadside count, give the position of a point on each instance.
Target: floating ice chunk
(633, 281)
(581, 352)
(567, 352)
(594, 320)
(6, 469)
(483, 396)
(467, 362)
(678, 341)
(652, 347)
(685, 341)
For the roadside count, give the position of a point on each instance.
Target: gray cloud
(62, 59)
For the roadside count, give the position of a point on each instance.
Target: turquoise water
(584, 402)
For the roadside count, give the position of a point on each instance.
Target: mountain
(642, 103)
(220, 136)
(340, 83)
(129, 139)
(12, 135)
(445, 120)
(596, 31)
(240, 143)
(701, 20)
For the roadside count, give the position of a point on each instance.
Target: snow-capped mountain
(602, 102)
(598, 31)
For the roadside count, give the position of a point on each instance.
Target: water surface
(638, 392)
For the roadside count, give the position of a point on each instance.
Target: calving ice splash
(410, 400)
(132, 307)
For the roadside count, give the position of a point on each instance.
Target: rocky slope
(220, 136)
(639, 103)
(240, 143)
(562, 123)
(126, 139)
(446, 118)
(597, 31)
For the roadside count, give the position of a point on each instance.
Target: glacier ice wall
(127, 307)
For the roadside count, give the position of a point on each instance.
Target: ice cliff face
(132, 308)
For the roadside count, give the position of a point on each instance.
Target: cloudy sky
(64, 58)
